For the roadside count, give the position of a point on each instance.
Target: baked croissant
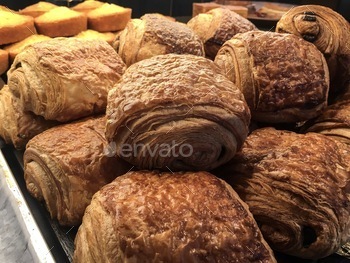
(17, 127)
(283, 78)
(217, 26)
(153, 35)
(183, 217)
(328, 31)
(64, 166)
(176, 112)
(334, 121)
(65, 78)
(297, 186)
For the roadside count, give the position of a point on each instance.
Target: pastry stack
(166, 155)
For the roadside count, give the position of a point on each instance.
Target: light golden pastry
(297, 186)
(176, 112)
(65, 78)
(334, 121)
(108, 17)
(17, 127)
(153, 35)
(15, 27)
(328, 31)
(217, 26)
(283, 77)
(16, 48)
(64, 166)
(183, 217)
(61, 22)
(92, 34)
(87, 6)
(37, 9)
(4, 61)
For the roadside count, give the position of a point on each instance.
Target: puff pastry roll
(283, 77)
(176, 112)
(217, 26)
(334, 121)
(183, 217)
(17, 127)
(65, 79)
(328, 31)
(154, 34)
(64, 166)
(297, 186)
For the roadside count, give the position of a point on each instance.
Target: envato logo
(163, 150)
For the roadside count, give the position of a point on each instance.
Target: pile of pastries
(209, 141)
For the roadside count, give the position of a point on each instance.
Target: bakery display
(108, 17)
(217, 26)
(328, 31)
(283, 77)
(37, 9)
(65, 79)
(87, 6)
(176, 112)
(152, 217)
(16, 48)
(4, 61)
(64, 166)
(17, 126)
(61, 22)
(297, 188)
(153, 35)
(15, 27)
(92, 34)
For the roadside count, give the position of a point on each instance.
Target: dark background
(176, 7)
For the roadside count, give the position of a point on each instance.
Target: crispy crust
(297, 188)
(286, 86)
(181, 99)
(182, 217)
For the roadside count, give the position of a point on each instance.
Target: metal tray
(51, 242)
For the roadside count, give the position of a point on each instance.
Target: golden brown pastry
(334, 121)
(17, 127)
(108, 17)
(183, 217)
(176, 112)
(16, 48)
(37, 9)
(297, 186)
(283, 78)
(64, 166)
(153, 35)
(15, 27)
(61, 22)
(328, 31)
(65, 78)
(217, 26)
(92, 34)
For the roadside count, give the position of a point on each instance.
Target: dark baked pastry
(283, 77)
(217, 26)
(182, 217)
(176, 112)
(65, 78)
(17, 127)
(297, 186)
(153, 35)
(64, 166)
(328, 31)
